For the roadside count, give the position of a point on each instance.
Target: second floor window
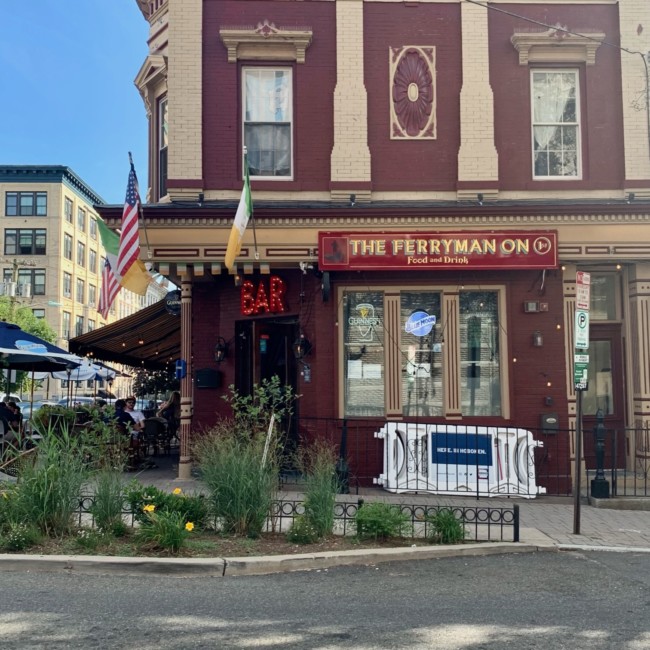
(25, 242)
(81, 219)
(92, 228)
(79, 326)
(26, 204)
(92, 295)
(38, 313)
(67, 284)
(556, 124)
(268, 121)
(65, 330)
(81, 253)
(67, 247)
(162, 147)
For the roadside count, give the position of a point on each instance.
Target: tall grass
(318, 465)
(47, 493)
(109, 501)
(241, 488)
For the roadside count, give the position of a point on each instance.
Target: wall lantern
(220, 350)
(301, 347)
(538, 339)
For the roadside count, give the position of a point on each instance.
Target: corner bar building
(427, 179)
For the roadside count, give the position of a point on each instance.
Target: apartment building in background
(52, 254)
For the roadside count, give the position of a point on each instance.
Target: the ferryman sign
(398, 251)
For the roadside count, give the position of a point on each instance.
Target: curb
(243, 566)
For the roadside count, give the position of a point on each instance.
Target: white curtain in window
(552, 92)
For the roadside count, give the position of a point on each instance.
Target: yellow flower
(189, 526)
(149, 507)
(177, 491)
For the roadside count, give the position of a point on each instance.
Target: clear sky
(66, 89)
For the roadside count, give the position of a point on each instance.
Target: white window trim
(579, 175)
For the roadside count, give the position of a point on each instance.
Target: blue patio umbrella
(20, 350)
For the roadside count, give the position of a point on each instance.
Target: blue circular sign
(419, 323)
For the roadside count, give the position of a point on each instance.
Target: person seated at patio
(16, 417)
(171, 412)
(138, 416)
(124, 418)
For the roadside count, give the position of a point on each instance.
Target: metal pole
(578, 468)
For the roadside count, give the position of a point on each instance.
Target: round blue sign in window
(419, 323)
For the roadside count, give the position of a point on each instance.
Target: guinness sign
(173, 302)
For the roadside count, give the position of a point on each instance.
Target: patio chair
(154, 435)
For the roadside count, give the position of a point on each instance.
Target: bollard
(600, 485)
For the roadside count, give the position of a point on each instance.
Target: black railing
(481, 524)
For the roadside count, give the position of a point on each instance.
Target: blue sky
(68, 98)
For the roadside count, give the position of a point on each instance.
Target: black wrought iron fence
(480, 523)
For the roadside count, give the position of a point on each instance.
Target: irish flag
(244, 213)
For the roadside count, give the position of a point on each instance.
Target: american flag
(110, 289)
(129, 238)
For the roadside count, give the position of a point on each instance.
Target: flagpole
(257, 254)
(140, 211)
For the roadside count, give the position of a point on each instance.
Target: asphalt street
(576, 600)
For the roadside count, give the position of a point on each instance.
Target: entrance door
(265, 349)
(606, 393)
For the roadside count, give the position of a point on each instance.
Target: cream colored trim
(266, 42)
(553, 46)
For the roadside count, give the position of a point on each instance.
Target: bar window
(479, 353)
(363, 342)
(421, 352)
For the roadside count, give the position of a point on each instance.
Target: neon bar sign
(343, 251)
(260, 300)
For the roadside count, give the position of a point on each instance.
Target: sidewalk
(546, 524)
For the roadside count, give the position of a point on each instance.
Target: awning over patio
(150, 338)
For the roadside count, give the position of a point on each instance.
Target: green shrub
(318, 465)
(52, 418)
(302, 531)
(240, 470)
(19, 536)
(88, 539)
(191, 507)
(109, 501)
(445, 527)
(164, 530)
(379, 520)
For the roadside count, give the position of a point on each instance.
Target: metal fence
(543, 467)
(481, 524)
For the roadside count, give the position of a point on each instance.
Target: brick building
(427, 177)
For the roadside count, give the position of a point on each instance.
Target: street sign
(580, 371)
(583, 290)
(581, 330)
(181, 369)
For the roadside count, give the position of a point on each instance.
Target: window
(92, 295)
(79, 326)
(25, 242)
(92, 261)
(81, 253)
(35, 278)
(26, 204)
(91, 325)
(364, 353)
(479, 353)
(67, 246)
(81, 290)
(556, 126)
(92, 228)
(268, 108)
(38, 313)
(67, 210)
(604, 296)
(66, 325)
(81, 219)
(67, 284)
(162, 146)
(394, 360)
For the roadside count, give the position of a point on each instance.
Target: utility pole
(11, 288)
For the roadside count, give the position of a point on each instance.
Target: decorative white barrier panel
(455, 459)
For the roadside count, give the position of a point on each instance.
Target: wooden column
(185, 464)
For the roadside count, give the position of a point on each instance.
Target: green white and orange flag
(136, 279)
(244, 213)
